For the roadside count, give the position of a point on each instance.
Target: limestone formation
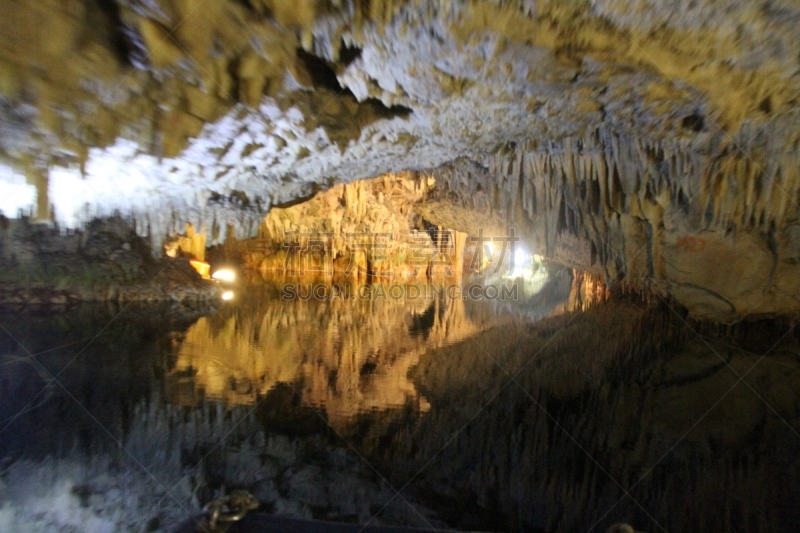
(368, 227)
(652, 142)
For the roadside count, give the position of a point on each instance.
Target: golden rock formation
(346, 356)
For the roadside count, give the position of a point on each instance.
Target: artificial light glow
(15, 194)
(489, 247)
(227, 295)
(224, 275)
(520, 257)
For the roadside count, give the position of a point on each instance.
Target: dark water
(435, 412)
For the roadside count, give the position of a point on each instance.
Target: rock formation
(106, 261)
(368, 227)
(650, 142)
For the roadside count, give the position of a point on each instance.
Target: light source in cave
(227, 295)
(521, 261)
(521, 258)
(15, 194)
(224, 274)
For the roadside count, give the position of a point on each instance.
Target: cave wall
(695, 218)
(106, 261)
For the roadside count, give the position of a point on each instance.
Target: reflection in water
(616, 413)
(348, 356)
(620, 413)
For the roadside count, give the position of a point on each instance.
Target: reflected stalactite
(586, 291)
(619, 393)
(347, 356)
(623, 396)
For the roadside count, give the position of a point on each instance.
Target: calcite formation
(651, 142)
(707, 230)
(365, 228)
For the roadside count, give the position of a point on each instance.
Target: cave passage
(370, 339)
(369, 266)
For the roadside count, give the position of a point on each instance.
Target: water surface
(430, 412)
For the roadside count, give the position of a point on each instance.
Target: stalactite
(581, 187)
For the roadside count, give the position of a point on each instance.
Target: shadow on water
(492, 415)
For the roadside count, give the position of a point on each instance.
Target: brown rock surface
(106, 262)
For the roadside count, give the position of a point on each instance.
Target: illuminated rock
(610, 130)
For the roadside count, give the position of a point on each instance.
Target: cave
(404, 266)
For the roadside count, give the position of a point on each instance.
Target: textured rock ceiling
(611, 131)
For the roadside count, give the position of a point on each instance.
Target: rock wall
(368, 227)
(106, 261)
(717, 230)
